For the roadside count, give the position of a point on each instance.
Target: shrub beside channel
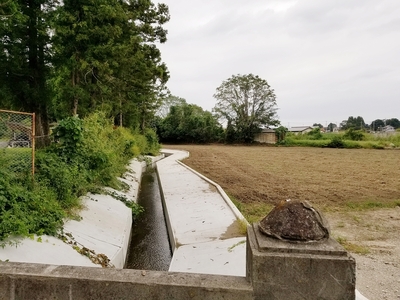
(85, 156)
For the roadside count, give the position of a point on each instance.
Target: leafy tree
(352, 122)
(393, 122)
(377, 124)
(331, 127)
(280, 133)
(189, 123)
(247, 103)
(167, 103)
(318, 124)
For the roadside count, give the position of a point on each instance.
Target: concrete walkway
(202, 221)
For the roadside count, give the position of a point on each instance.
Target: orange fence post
(33, 143)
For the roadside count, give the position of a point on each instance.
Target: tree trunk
(37, 79)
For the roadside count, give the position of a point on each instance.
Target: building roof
(266, 130)
(299, 128)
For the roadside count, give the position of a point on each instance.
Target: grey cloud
(325, 59)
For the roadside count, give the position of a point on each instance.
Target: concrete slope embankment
(102, 233)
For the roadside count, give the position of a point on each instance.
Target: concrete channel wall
(37, 281)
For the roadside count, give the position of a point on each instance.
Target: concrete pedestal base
(282, 270)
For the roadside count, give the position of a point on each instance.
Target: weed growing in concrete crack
(242, 225)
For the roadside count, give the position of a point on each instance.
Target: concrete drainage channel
(149, 247)
(325, 272)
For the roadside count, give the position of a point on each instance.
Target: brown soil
(346, 184)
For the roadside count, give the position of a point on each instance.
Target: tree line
(72, 57)
(358, 123)
(244, 105)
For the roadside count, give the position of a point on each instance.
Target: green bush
(354, 135)
(27, 208)
(68, 136)
(280, 134)
(153, 146)
(68, 180)
(315, 134)
(105, 150)
(336, 142)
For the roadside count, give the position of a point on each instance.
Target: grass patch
(342, 140)
(253, 211)
(242, 226)
(351, 247)
(368, 205)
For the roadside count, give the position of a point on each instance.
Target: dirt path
(358, 190)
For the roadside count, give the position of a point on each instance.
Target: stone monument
(291, 256)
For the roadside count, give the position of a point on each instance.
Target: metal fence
(17, 141)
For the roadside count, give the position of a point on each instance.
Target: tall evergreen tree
(106, 57)
(24, 57)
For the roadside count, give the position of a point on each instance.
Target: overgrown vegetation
(188, 123)
(367, 205)
(349, 139)
(85, 155)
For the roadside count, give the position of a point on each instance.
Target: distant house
(388, 128)
(300, 129)
(266, 136)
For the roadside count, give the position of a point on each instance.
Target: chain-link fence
(17, 143)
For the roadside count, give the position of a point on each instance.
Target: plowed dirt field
(357, 189)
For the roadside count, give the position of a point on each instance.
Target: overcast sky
(326, 60)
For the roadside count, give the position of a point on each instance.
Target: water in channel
(149, 248)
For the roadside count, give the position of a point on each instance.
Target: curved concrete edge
(359, 296)
(105, 228)
(178, 155)
(228, 200)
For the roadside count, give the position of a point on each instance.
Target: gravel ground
(377, 234)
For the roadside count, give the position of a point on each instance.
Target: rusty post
(33, 143)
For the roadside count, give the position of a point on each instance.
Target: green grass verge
(253, 212)
(368, 205)
(352, 247)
